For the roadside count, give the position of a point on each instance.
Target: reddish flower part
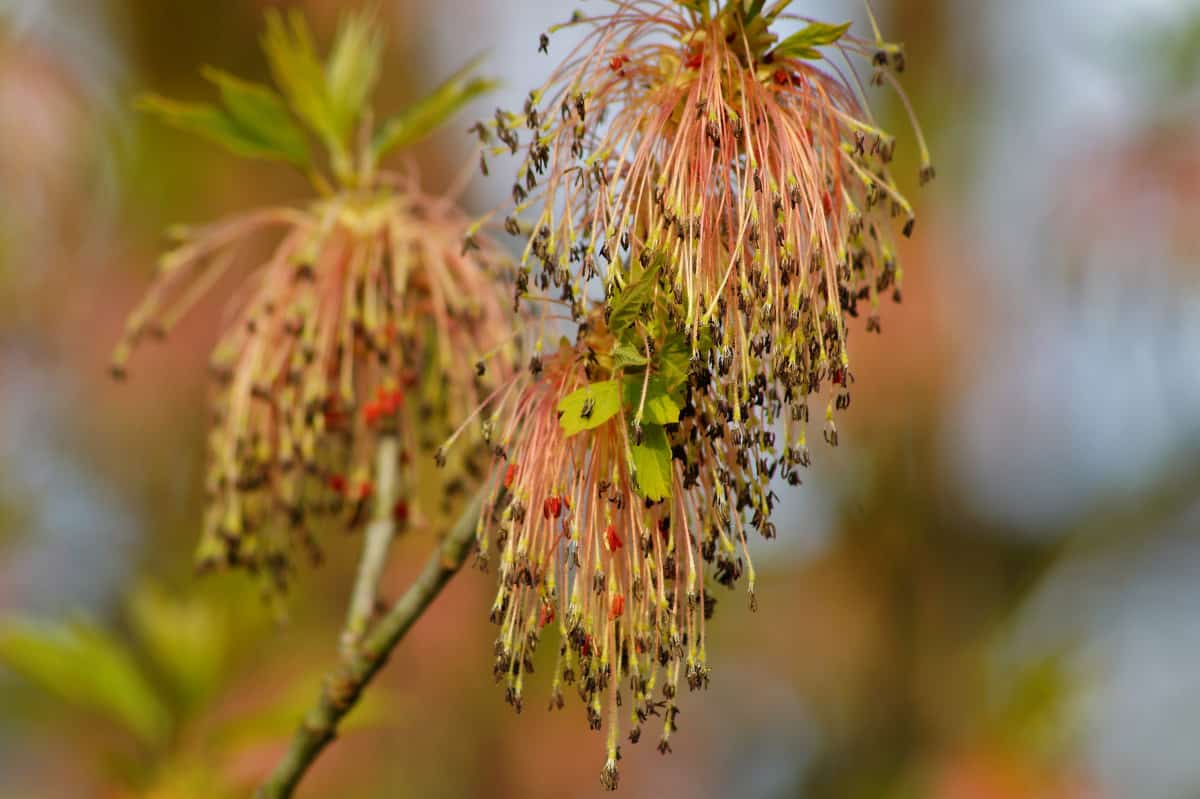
(612, 540)
(546, 615)
(618, 607)
(400, 512)
(510, 474)
(337, 483)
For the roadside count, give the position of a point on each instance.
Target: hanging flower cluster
(366, 320)
(730, 193)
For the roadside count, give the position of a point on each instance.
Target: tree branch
(346, 683)
(376, 542)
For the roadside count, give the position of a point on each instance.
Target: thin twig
(346, 683)
(376, 542)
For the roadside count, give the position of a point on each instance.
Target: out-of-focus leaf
(589, 407)
(292, 54)
(803, 43)
(82, 665)
(187, 640)
(353, 69)
(427, 114)
(652, 463)
(213, 124)
(262, 115)
(660, 406)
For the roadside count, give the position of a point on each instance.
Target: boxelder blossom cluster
(730, 193)
(364, 321)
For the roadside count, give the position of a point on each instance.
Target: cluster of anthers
(729, 191)
(363, 323)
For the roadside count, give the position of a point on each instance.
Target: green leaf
(353, 69)
(652, 464)
(626, 305)
(288, 44)
(186, 639)
(81, 664)
(589, 407)
(803, 43)
(673, 359)
(626, 355)
(213, 124)
(262, 115)
(425, 115)
(751, 9)
(660, 408)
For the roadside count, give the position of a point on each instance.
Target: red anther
(510, 474)
(782, 78)
(616, 63)
(612, 540)
(826, 203)
(400, 512)
(839, 377)
(337, 482)
(371, 413)
(546, 615)
(552, 506)
(694, 60)
(618, 607)
(664, 525)
(365, 489)
(586, 648)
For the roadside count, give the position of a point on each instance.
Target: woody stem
(377, 541)
(347, 681)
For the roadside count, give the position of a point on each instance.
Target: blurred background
(990, 591)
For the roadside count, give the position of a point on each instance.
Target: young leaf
(83, 665)
(803, 43)
(353, 69)
(213, 124)
(262, 114)
(187, 640)
(626, 306)
(673, 359)
(660, 407)
(626, 355)
(652, 463)
(589, 407)
(423, 116)
(292, 55)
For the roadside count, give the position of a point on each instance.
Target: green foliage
(353, 70)
(215, 125)
(184, 639)
(672, 359)
(328, 97)
(803, 43)
(292, 54)
(81, 664)
(626, 355)
(652, 463)
(626, 305)
(589, 407)
(261, 112)
(660, 407)
(421, 118)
